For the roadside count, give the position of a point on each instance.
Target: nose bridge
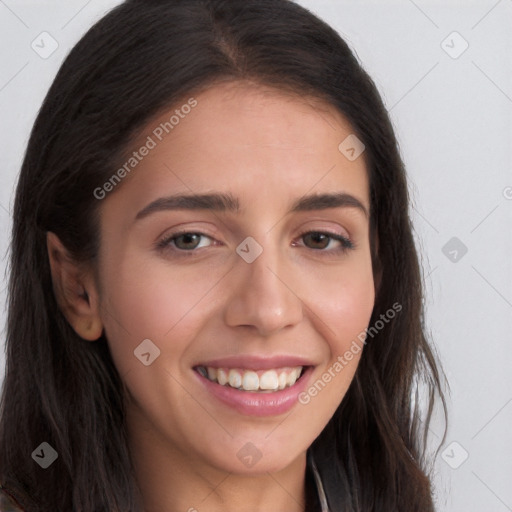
(262, 297)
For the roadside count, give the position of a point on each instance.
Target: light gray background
(453, 120)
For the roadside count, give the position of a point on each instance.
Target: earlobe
(75, 290)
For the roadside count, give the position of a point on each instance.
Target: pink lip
(257, 362)
(253, 403)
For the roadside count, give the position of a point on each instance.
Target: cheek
(342, 309)
(342, 300)
(155, 302)
(159, 304)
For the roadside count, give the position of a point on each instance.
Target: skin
(268, 149)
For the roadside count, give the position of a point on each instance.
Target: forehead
(254, 141)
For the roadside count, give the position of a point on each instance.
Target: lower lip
(257, 404)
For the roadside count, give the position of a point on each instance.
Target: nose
(263, 297)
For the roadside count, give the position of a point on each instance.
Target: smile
(260, 381)
(255, 386)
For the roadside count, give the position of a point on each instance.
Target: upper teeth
(250, 380)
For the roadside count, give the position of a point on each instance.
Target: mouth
(254, 381)
(255, 385)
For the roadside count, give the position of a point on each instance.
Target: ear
(75, 290)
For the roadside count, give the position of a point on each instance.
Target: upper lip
(256, 362)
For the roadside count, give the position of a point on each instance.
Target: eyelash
(346, 243)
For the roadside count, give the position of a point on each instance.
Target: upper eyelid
(201, 233)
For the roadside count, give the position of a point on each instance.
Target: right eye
(185, 241)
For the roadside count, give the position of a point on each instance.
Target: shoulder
(7, 504)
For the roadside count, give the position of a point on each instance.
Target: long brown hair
(142, 57)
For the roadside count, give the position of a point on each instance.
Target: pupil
(319, 239)
(188, 239)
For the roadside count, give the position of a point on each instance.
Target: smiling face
(266, 273)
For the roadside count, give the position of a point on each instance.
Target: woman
(215, 300)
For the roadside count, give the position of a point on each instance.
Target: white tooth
(282, 380)
(212, 373)
(293, 376)
(222, 378)
(269, 380)
(235, 379)
(251, 381)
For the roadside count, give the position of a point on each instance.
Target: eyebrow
(229, 203)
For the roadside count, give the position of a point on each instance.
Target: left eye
(319, 240)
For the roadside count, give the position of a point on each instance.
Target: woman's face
(267, 274)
